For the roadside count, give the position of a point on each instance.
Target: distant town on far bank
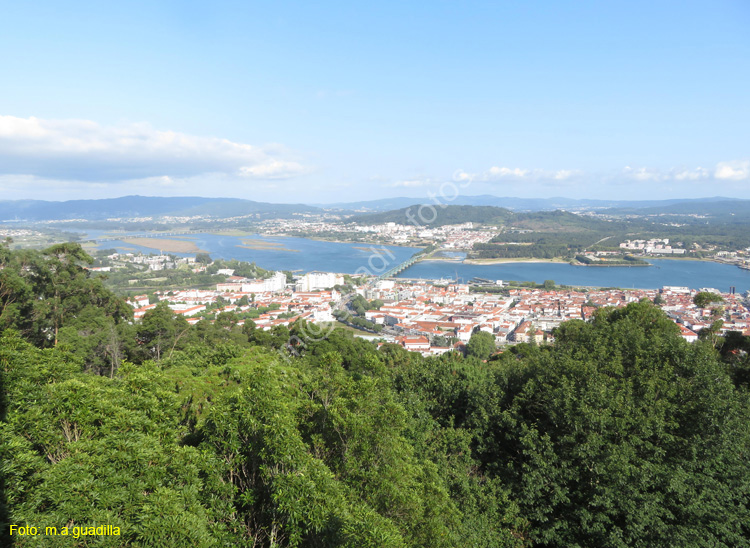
(516, 273)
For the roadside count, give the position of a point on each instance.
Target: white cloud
(411, 183)
(460, 176)
(83, 150)
(497, 173)
(696, 174)
(273, 169)
(563, 174)
(733, 171)
(527, 181)
(500, 172)
(644, 174)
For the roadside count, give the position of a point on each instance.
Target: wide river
(283, 253)
(302, 254)
(693, 274)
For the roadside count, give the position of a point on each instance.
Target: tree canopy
(224, 434)
(704, 299)
(481, 345)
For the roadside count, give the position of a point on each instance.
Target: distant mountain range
(143, 206)
(727, 209)
(521, 204)
(147, 206)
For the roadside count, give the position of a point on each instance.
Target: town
(583, 238)
(433, 318)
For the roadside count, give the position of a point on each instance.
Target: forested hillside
(220, 434)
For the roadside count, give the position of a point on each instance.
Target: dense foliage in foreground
(621, 434)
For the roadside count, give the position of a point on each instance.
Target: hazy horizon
(417, 199)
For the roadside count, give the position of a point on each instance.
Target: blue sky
(342, 101)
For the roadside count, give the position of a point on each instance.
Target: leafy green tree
(79, 449)
(285, 495)
(712, 333)
(42, 292)
(735, 353)
(161, 330)
(481, 345)
(320, 459)
(442, 340)
(439, 340)
(97, 340)
(622, 434)
(226, 320)
(16, 290)
(203, 258)
(704, 299)
(248, 327)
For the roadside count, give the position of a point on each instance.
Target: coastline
(319, 239)
(704, 260)
(611, 265)
(512, 261)
(442, 260)
(559, 260)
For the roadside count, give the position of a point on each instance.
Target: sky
(322, 102)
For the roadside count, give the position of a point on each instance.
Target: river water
(282, 253)
(302, 254)
(681, 272)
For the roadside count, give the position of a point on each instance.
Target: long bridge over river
(401, 267)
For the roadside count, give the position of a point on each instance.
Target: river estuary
(304, 255)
